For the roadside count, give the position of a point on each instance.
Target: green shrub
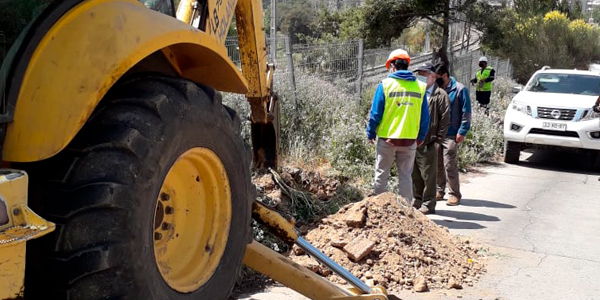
(327, 123)
(485, 139)
(532, 42)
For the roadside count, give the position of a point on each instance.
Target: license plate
(554, 126)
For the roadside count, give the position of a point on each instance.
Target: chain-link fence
(464, 67)
(327, 60)
(375, 58)
(233, 49)
(352, 67)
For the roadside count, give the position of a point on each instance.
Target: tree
(576, 12)
(552, 39)
(295, 19)
(15, 16)
(385, 20)
(534, 7)
(596, 14)
(327, 25)
(353, 24)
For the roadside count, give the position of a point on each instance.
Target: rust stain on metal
(275, 222)
(19, 234)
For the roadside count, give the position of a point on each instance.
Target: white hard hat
(483, 58)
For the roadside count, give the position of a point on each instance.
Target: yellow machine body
(23, 225)
(280, 268)
(86, 52)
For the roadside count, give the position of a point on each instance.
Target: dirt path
(540, 221)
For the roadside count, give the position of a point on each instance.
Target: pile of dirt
(384, 241)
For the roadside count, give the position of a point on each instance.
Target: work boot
(426, 211)
(452, 201)
(417, 203)
(439, 195)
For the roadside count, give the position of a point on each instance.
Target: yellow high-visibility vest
(402, 114)
(483, 75)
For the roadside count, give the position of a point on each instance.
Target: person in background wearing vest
(460, 122)
(483, 82)
(399, 118)
(424, 174)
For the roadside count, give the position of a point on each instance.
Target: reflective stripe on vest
(487, 86)
(402, 114)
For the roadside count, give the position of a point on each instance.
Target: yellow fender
(85, 52)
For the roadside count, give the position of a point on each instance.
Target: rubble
(394, 246)
(420, 284)
(358, 248)
(356, 216)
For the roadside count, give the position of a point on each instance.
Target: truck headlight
(590, 114)
(520, 107)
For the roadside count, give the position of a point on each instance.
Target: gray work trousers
(424, 176)
(405, 158)
(448, 168)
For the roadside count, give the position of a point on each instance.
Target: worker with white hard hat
(483, 82)
(399, 119)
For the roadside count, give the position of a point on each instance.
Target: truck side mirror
(516, 89)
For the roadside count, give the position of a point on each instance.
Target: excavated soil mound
(384, 241)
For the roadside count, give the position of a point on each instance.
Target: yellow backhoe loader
(123, 174)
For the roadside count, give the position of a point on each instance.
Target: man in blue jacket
(400, 119)
(460, 122)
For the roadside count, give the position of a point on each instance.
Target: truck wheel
(512, 151)
(152, 199)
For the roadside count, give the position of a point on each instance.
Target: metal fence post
(273, 32)
(290, 66)
(470, 65)
(497, 63)
(361, 58)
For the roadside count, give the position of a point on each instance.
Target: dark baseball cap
(427, 67)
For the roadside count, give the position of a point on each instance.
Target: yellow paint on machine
(192, 220)
(283, 270)
(86, 52)
(23, 225)
(275, 222)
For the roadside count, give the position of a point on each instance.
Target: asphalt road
(541, 222)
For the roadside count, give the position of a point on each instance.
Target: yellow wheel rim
(192, 220)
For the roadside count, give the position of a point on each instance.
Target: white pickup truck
(554, 109)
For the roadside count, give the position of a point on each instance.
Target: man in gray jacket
(424, 174)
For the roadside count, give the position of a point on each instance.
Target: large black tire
(512, 152)
(101, 191)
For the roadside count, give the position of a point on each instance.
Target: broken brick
(359, 248)
(356, 216)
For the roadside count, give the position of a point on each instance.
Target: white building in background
(589, 5)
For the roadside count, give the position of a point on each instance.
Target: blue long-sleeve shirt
(378, 107)
(460, 112)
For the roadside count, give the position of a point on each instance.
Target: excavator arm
(215, 16)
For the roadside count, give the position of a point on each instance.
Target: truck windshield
(565, 84)
(15, 16)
